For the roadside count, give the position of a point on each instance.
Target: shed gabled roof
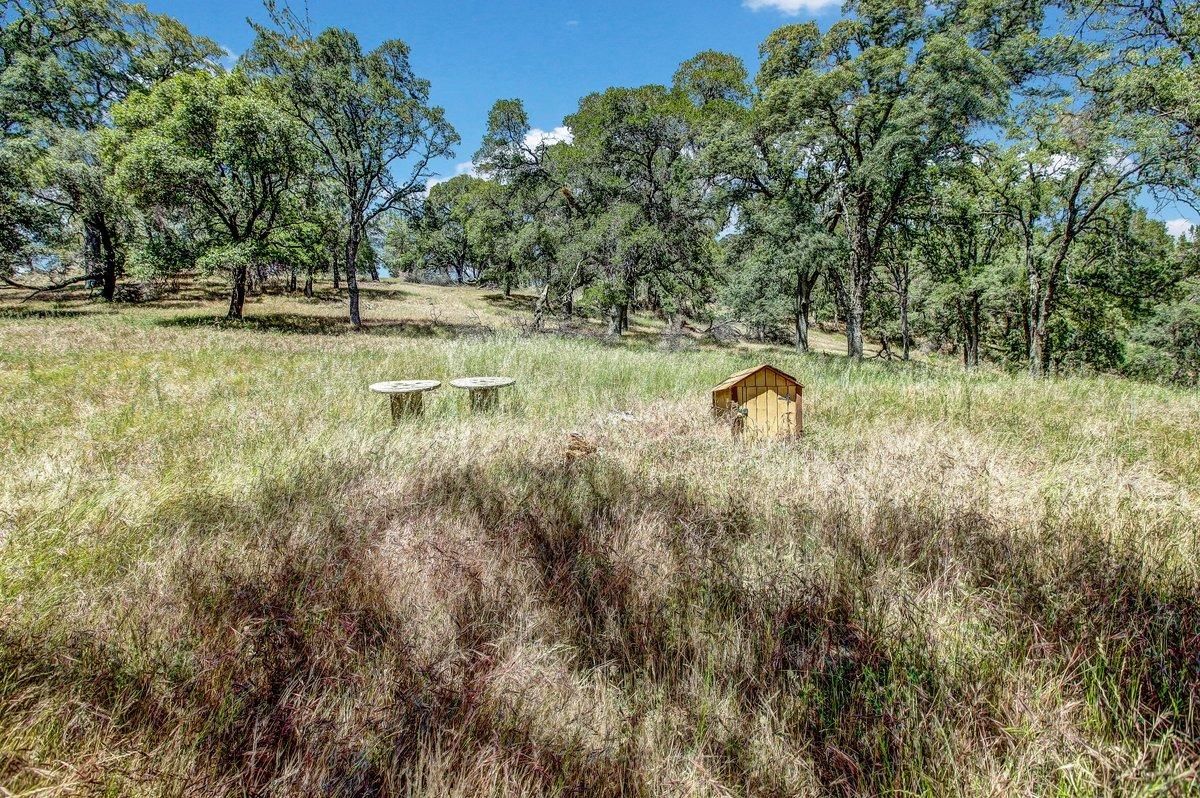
(741, 375)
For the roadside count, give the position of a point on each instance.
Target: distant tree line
(967, 177)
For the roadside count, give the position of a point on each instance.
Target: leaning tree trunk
(308, 283)
(539, 309)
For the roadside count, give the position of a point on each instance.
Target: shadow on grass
(1095, 615)
(302, 324)
(279, 654)
(52, 313)
(263, 638)
(513, 302)
(193, 293)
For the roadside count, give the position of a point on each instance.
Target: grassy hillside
(224, 573)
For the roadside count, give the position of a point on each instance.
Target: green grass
(224, 572)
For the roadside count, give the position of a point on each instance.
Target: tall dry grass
(223, 573)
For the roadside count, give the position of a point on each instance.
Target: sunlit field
(224, 571)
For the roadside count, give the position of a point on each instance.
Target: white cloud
(228, 58)
(1180, 227)
(537, 137)
(465, 168)
(1061, 164)
(572, 23)
(791, 7)
(1057, 166)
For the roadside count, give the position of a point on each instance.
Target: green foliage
(63, 63)
(367, 115)
(216, 151)
(713, 78)
(24, 222)
(1167, 346)
(874, 104)
(648, 222)
(969, 175)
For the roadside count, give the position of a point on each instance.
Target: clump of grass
(224, 573)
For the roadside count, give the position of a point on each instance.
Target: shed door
(770, 403)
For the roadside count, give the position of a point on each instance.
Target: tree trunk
(803, 309)
(614, 321)
(976, 332)
(293, 279)
(100, 255)
(336, 269)
(539, 309)
(237, 296)
(352, 242)
(108, 286)
(905, 344)
(854, 323)
(1039, 332)
(802, 331)
(860, 267)
(108, 246)
(374, 272)
(308, 283)
(91, 254)
(970, 324)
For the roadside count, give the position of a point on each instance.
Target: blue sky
(549, 53)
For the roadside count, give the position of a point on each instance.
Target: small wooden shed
(763, 400)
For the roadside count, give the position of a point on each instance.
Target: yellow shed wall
(770, 402)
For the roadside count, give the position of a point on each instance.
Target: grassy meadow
(224, 572)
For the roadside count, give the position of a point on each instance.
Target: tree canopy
(981, 179)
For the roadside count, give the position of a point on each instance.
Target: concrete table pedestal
(408, 396)
(483, 391)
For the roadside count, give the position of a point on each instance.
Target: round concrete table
(407, 395)
(484, 391)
